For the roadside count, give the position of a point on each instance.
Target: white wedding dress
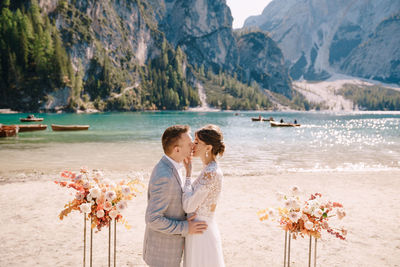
(201, 197)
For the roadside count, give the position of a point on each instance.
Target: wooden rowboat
(32, 127)
(30, 118)
(283, 124)
(56, 127)
(259, 118)
(256, 119)
(8, 130)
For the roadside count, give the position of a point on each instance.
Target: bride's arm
(193, 196)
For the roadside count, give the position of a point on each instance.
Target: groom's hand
(196, 227)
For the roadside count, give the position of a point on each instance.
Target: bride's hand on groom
(187, 162)
(196, 227)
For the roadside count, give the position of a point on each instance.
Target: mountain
(203, 30)
(129, 55)
(320, 38)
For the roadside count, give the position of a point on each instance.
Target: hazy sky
(242, 9)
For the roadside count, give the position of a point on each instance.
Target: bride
(201, 197)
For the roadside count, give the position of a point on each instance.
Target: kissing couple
(180, 213)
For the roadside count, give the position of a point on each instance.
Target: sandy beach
(32, 234)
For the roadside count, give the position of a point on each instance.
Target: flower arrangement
(308, 217)
(102, 199)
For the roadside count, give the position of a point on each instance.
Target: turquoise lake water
(361, 141)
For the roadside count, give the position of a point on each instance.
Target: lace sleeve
(195, 194)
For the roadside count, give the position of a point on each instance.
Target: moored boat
(32, 127)
(256, 119)
(30, 118)
(268, 119)
(56, 127)
(283, 124)
(8, 130)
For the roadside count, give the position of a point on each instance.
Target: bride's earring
(206, 154)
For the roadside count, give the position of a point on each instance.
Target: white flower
(318, 213)
(113, 214)
(110, 195)
(287, 204)
(307, 209)
(304, 217)
(122, 205)
(126, 190)
(107, 205)
(100, 213)
(295, 190)
(95, 192)
(98, 174)
(294, 216)
(85, 207)
(294, 204)
(89, 197)
(308, 225)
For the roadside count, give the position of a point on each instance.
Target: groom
(166, 223)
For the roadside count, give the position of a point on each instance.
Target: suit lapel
(175, 172)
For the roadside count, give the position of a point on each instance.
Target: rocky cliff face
(319, 38)
(203, 29)
(262, 61)
(130, 32)
(121, 29)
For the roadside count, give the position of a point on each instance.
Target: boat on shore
(283, 124)
(8, 130)
(56, 127)
(30, 118)
(32, 127)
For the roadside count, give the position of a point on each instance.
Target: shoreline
(34, 236)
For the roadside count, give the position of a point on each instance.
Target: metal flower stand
(91, 243)
(286, 257)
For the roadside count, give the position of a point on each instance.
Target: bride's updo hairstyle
(211, 135)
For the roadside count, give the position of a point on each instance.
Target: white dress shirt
(178, 166)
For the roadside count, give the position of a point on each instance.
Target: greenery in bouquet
(305, 217)
(101, 199)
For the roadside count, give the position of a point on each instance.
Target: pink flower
(126, 190)
(100, 213)
(308, 225)
(318, 213)
(294, 216)
(95, 192)
(113, 214)
(107, 205)
(110, 195)
(122, 205)
(85, 208)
